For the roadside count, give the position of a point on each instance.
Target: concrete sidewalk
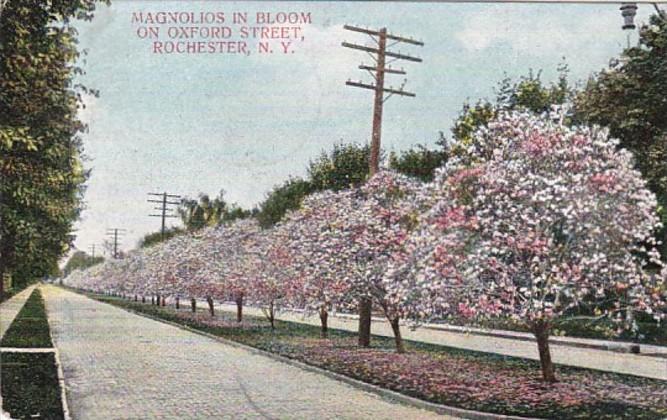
(118, 365)
(11, 307)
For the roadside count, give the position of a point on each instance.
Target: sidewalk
(652, 363)
(11, 307)
(118, 365)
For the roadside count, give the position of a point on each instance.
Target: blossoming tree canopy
(362, 229)
(549, 218)
(384, 219)
(318, 249)
(234, 256)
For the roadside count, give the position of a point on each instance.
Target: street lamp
(629, 11)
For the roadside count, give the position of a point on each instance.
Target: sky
(192, 123)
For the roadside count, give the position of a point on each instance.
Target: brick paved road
(120, 365)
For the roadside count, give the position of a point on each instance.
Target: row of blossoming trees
(535, 220)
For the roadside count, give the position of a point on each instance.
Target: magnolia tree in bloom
(318, 250)
(234, 257)
(273, 280)
(546, 219)
(380, 223)
(346, 240)
(196, 266)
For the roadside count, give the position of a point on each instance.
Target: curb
(613, 346)
(27, 349)
(382, 392)
(59, 367)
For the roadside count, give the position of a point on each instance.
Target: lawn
(30, 327)
(30, 387)
(439, 374)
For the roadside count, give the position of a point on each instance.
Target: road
(120, 365)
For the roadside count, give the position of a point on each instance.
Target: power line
(164, 208)
(378, 71)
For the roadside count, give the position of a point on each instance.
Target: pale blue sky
(201, 123)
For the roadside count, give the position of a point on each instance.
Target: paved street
(642, 365)
(120, 365)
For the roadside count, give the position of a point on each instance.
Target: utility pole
(92, 251)
(382, 67)
(114, 233)
(165, 202)
(383, 60)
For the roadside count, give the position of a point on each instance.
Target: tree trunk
(541, 331)
(136, 298)
(178, 303)
(365, 307)
(396, 328)
(239, 309)
(211, 310)
(164, 301)
(6, 262)
(272, 317)
(193, 303)
(152, 300)
(324, 315)
(143, 299)
(2, 273)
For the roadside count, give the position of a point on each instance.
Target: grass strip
(445, 375)
(30, 328)
(30, 387)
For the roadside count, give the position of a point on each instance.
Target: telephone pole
(165, 202)
(92, 251)
(114, 233)
(382, 59)
(382, 67)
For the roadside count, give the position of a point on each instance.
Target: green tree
(196, 214)
(630, 98)
(284, 197)
(528, 93)
(153, 238)
(420, 161)
(345, 166)
(41, 173)
(80, 260)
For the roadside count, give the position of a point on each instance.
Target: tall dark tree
(630, 98)
(41, 173)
